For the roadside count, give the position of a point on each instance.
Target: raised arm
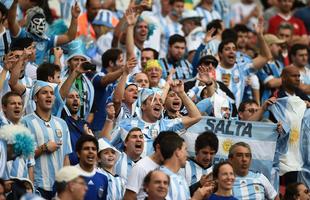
(71, 33)
(65, 87)
(120, 88)
(8, 62)
(109, 122)
(12, 23)
(265, 53)
(15, 74)
(257, 116)
(131, 18)
(193, 113)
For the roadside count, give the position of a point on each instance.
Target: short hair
(170, 144)
(215, 24)
(241, 28)
(132, 130)
(207, 139)
(85, 138)
(244, 103)
(229, 34)
(216, 168)
(176, 38)
(224, 43)
(297, 47)
(110, 55)
(60, 187)
(291, 191)
(5, 98)
(171, 2)
(47, 69)
(286, 25)
(238, 144)
(155, 53)
(21, 43)
(148, 177)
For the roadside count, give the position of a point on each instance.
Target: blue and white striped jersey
(183, 69)
(207, 15)
(19, 167)
(254, 186)
(193, 171)
(3, 159)
(178, 188)
(116, 185)
(150, 131)
(168, 28)
(238, 74)
(48, 164)
(123, 166)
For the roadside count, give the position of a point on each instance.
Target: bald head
(290, 77)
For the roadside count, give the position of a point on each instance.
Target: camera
(89, 66)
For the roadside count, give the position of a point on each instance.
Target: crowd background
(97, 97)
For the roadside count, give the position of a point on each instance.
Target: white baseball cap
(67, 174)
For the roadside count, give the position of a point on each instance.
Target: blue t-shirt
(97, 184)
(217, 197)
(42, 46)
(76, 128)
(101, 95)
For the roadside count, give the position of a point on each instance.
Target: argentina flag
(290, 111)
(261, 137)
(304, 174)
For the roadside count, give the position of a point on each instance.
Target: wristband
(46, 147)
(110, 120)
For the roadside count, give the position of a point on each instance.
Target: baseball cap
(272, 39)
(67, 174)
(190, 14)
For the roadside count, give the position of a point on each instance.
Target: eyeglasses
(80, 183)
(252, 110)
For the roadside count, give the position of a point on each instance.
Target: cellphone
(89, 66)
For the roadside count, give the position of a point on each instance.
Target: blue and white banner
(261, 137)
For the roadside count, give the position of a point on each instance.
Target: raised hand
(130, 64)
(87, 130)
(9, 61)
(269, 102)
(170, 75)
(209, 36)
(110, 111)
(131, 16)
(259, 27)
(204, 75)
(177, 86)
(75, 10)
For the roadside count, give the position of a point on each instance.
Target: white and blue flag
(261, 137)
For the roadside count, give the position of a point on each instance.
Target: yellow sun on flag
(294, 135)
(226, 144)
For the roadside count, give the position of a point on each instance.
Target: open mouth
(17, 111)
(135, 97)
(139, 146)
(90, 158)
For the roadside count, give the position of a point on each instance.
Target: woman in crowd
(224, 176)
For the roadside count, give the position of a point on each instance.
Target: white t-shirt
(138, 172)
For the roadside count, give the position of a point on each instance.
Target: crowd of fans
(95, 102)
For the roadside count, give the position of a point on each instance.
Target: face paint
(37, 25)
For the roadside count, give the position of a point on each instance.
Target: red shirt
(275, 21)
